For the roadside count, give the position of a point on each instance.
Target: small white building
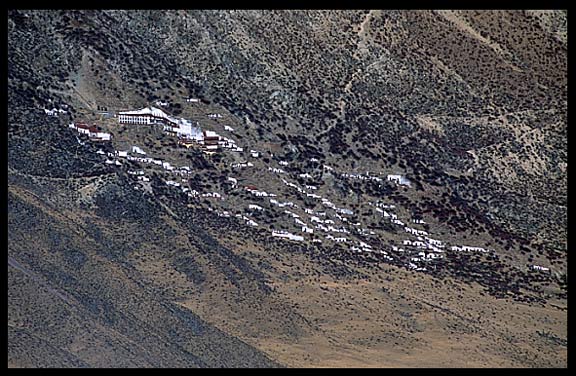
(251, 222)
(364, 245)
(294, 215)
(212, 194)
(50, 112)
(287, 235)
(137, 150)
(100, 136)
(298, 221)
(398, 179)
(276, 170)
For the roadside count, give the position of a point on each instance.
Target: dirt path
(16, 265)
(461, 24)
(361, 48)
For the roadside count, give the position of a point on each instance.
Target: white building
(147, 115)
(276, 170)
(137, 150)
(398, 179)
(364, 245)
(212, 194)
(307, 229)
(153, 115)
(434, 242)
(466, 248)
(250, 222)
(294, 215)
(211, 134)
(186, 129)
(287, 235)
(100, 136)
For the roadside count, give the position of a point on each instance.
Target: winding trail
(16, 265)
(461, 24)
(361, 48)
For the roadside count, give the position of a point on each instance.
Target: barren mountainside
(389, 188)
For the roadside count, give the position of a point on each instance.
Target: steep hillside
(417, 160)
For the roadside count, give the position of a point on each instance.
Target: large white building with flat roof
(147, 115)
(152, 115)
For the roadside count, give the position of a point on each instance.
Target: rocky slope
(470, 106)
